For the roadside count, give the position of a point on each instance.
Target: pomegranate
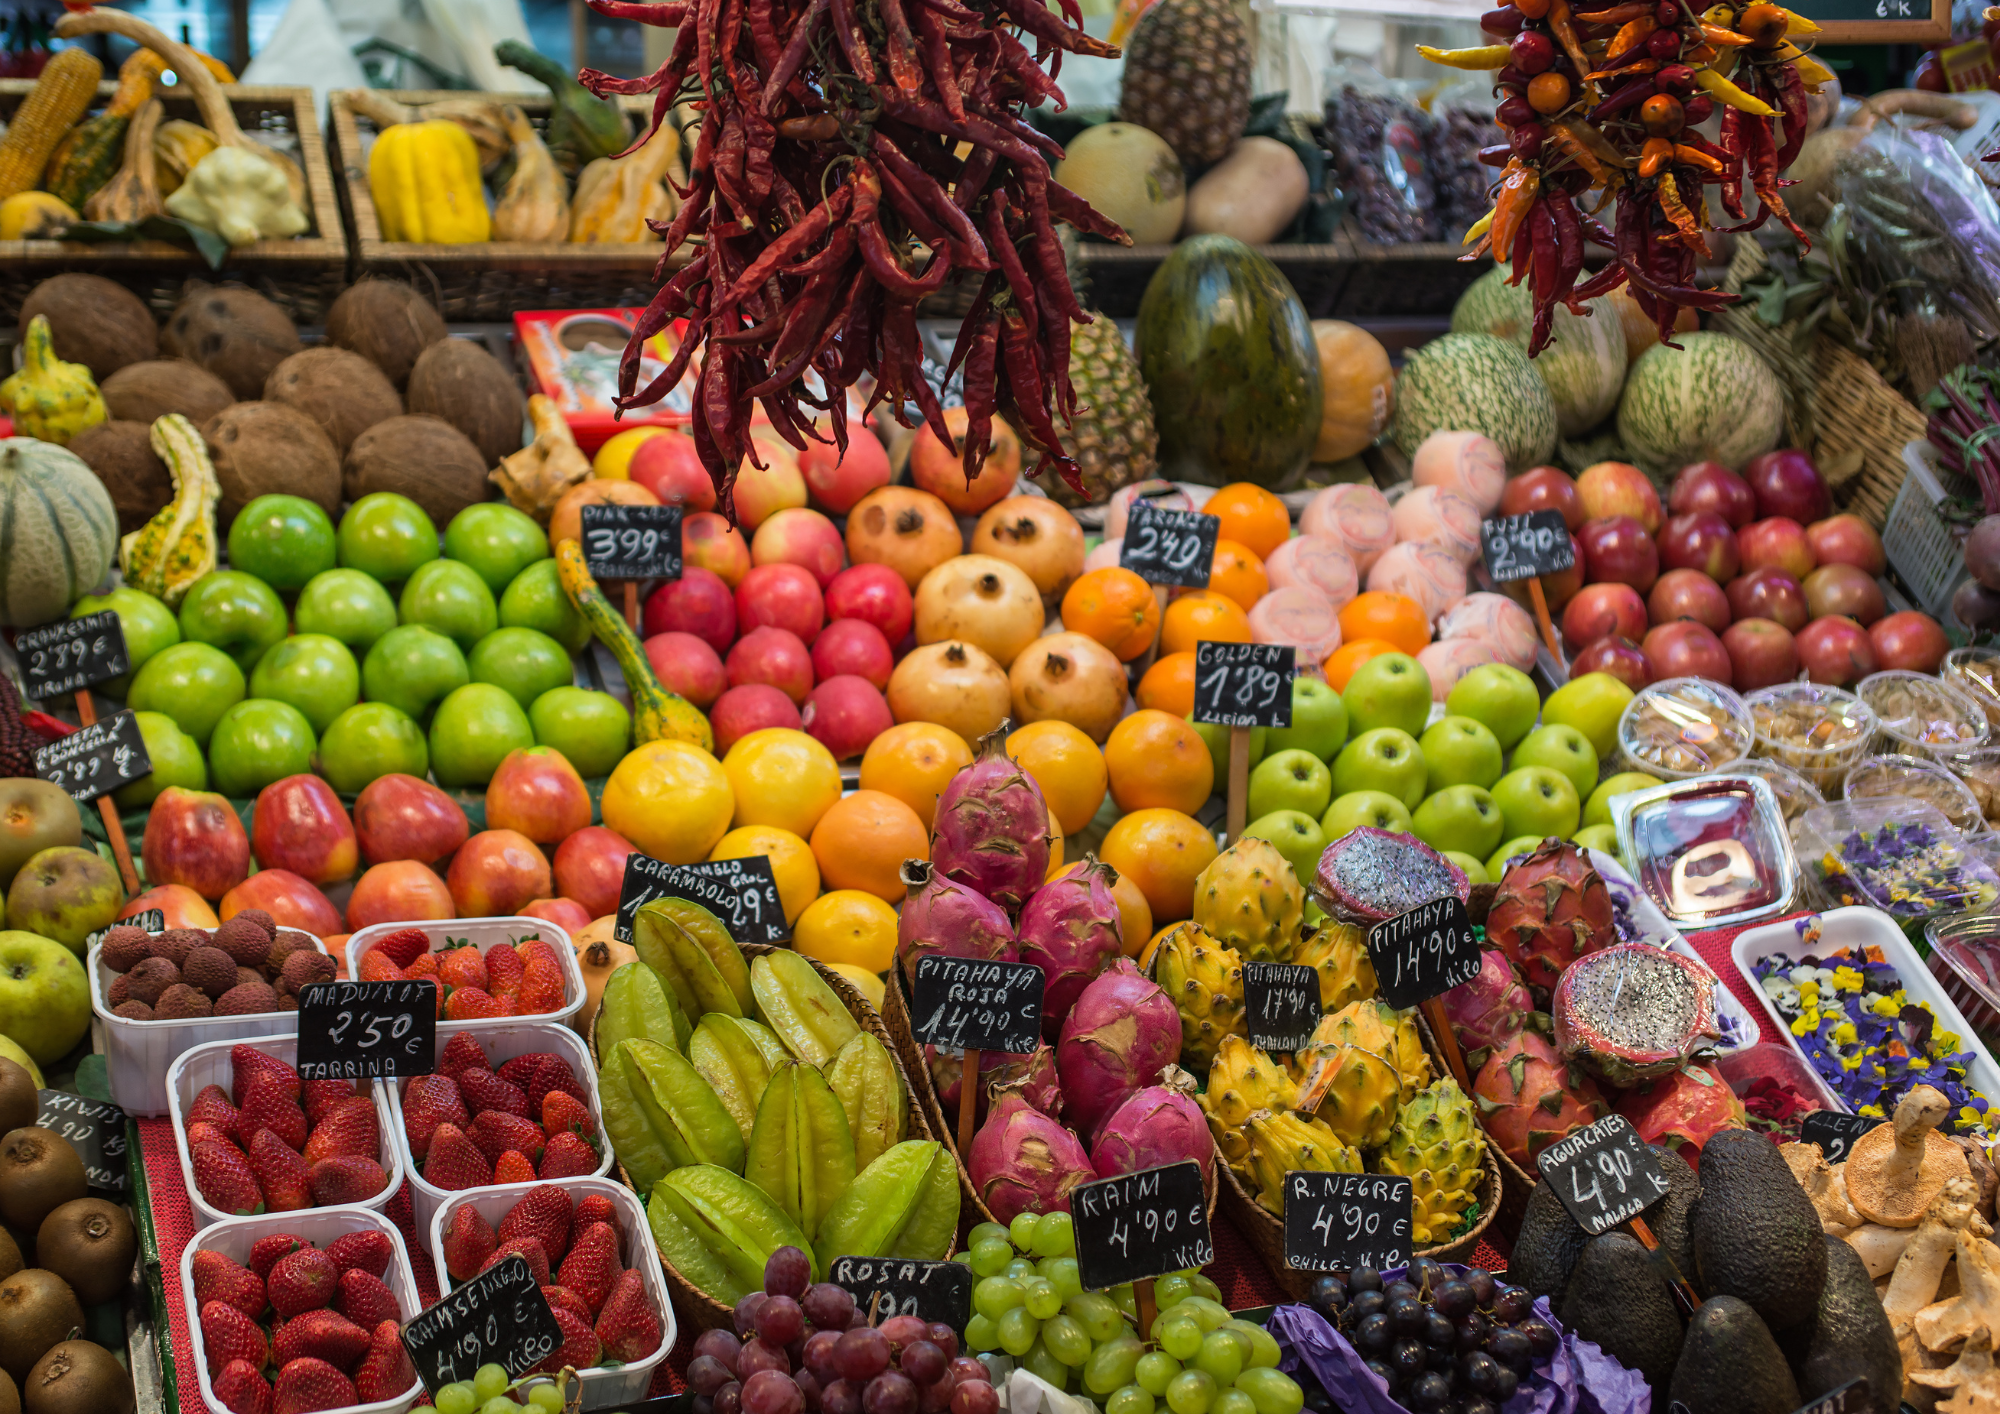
(1036, 536)
(982, 600)
(956, 685)
(941, 470)
(910, 531)
(1068, 677)
(1835, 651)
(844, 714)
(1846, 591)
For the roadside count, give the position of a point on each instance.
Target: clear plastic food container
(1900, 856)
(1685, 727)
(1979, 768)
(1709, 852)
(1965, 958)
(1817, 730)
(1976, 673)
(1921, 715)
(1916, 778)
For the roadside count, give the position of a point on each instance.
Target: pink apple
(1617, 656)
(400, 891)
(749, 708)
(566, 913)
(1844, 591)
(781, 596)
(1543, 488)
(1601, 610)
(300, 825)
(774, 657)
(401, 817)
(1776, 542)
(495, 873)
(1836, 651)
(852, 647)
(698, 603)
(195, 837)
(844, 714)
(180, 905)
(537, 792)
(874, 594)
(1686, 649)
(709, 541)
(1711, 486)
(1619, 550)
(669, 466)
(1689, 594)
(291, 901)
(837, 482)
(1700, 540)
(1847, 540)
(687, 665)
(761, 492)
(1762, 652)
(1911, 641)
(1768, 594)
(797, 536)
(1788, 484)
(1619, 489)
(590, 868)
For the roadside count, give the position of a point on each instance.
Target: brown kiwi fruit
(20, 1102)
(10, 1255)
(78, 1377)
(90, 1244)
(37, 1310)
(39, 1172)
(10, 1394)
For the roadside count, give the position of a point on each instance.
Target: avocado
(1729, 1363)
(1618, 1298)
(1669, 1218)
(1851, 1336)
(1550, 1238)
(1755, 1233)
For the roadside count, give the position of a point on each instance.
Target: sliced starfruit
(865, 1081)
(733, 1062)
(682, 1109)
(797, 1004)
(639, 1006)
(687, 964)
(896, 1192)
(801, 1152)
(717, 1231)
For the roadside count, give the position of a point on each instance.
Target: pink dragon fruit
(1368, 875)
(1118, 1037)
(991, 832)
(1684, 1110)
(1529, 1097)
(1158, 1125)
(1070, 929)
(1032, 1077)
(1022, 1161)
(1634, 1012)
(1489, 1011)
(947, 918)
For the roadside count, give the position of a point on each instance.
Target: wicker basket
(302, 274)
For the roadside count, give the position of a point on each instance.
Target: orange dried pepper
(1519, 186)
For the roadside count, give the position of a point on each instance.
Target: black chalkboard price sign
(1604, 1174)
(1835, 1133)
(1244, 684)
(1170, 547)
(1140, 1225)
(1343, 1220)
(499, 1317)
(1280, 1004)
(75, 653)
(743, 893)
(1850, 1398)
(936, 1292)
(94, 1128)
(965, 1003)
(1526, 546)
(1424, 952)
(632, 542)
(360, 1030)
(97, 759)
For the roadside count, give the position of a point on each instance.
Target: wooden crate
(1416, 278)
(489, 280)
(302, 274)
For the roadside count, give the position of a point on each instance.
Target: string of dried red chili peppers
(854, 155)
(1607, 101)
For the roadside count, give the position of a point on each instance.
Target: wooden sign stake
(632, 605)
(968, 1099)
(1541, 603)
(1447, 1042)
(1683, 1293)
(1239, 781)
(1143, 1291)
(86, 711)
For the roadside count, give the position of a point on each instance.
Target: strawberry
(248, 1064)
(242, 1389)
(425, 966)
(470, 1004)
(496, 1131)
(346, 1178)
(541, 986)
(460, 1053)
(202, 1132)
(366, 1300)
(212, 1106)
(563, 1113)
(506, 1005)
(304, 1280)
(429, 1101)
(223, 1178)
(568, 1156)
(378, 966)
(503, 971)
(580, 1346)
(460, 965)
(628, 1325)
(563, 1296)
(227, 1334)
(553, 1073)
(596, 1208)
(544, 1214)
(285, 1177)
(350, 1127)
(385, 1370)
(483, 1090)
(404, 946)
(468, 1242)
(592, 1265)
(366, 1251)
(520, 1069)
(216, 1278)
(320, 1335)
(265, 1252)
(269, 1106)
(453, 1163)
(526, 1248)
(512, 1166)
(308, 1384)
(534, 946)
(321, 1096)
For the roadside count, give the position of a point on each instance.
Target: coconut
(146, 392)
(466, 386)
(386, 322)
(424, 458)
(340, 390)
(262, 449)
(121, 453)
(236, 334)
(93, 321)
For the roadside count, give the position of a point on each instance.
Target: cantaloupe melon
(1584, 362)
(58, 531)
(1130, 175)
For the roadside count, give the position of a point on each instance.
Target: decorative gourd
(480, 117)
(58, 531)
(582, 127)
(1360, 389)
(424, 178)
(48, 398)
(33, 216)
(177, 147)
(656, 713)
(616, 196)
(134, 193)
(535, 206)
(167, 554)
(57, 102)
(89, 153)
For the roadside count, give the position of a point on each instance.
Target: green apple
(1463, 818)
(149, 627)
(283, 540)
(1592, 704)
(1371, 808)
(496, 540)
(525, 662)
(387, 536)
(175, 757)
(412, 668)
(1385, 759)
(1390, 690)
(1290, 780)
(1538, 801)
(1475, 869)
(259, 741)
(1496, 863)
(1319, 721)
(592, 729)
(451, 598)
(1597, 809)
(1597, 837)
(313, 672)
(236, 612)
(472, 733)
(370, 740)
(66, 893)
(190, 682)
(9, 1050)
(44, 996)
(1216, 739)
(1295, 835)
(536, 600)
(1500, 696)
(347, 605)
(1460, 752)
(1563, 749)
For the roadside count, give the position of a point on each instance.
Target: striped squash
(1584, 364)
(1713, 399)
(58, 531)
(1476, 383)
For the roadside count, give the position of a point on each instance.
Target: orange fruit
(1168, 685)
(793, 867)
(1395, 618)
(780, 777)
(1115, 607)
(1056, 851)
(1203, 616)
(1160, 851)
(1238, 573)
(1066, 764)
(1252, 517)
(862, 841)
(914, 761)
(1157, 760)
(1135, 919)
(1341, 663)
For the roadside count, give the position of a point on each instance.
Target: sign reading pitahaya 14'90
(1424, 951)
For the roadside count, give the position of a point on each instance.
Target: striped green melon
(1476, 383)
(1713, 399)
(1584, 363)
(58, 531)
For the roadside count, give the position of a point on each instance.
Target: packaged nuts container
(1979, 768)
(1916, 778)
(1976, 673)
(1685, 727)
(1818, 731)
(1796, 795)
(1922, 715)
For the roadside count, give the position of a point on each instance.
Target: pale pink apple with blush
(687, 665)
(1297, 616)
(1419, 570)
(180, 905)
(495, 873)
(1847, 540)
(1909, 640)
(852, 647)
(1776, 543)
(537, 792)
(1450, 659)
(698, 603)
(1688, 594)
(1104, 555)
(400, 816)
(774, 657)
(844, 714)
(750, 708)
(195, 837)
(1762, 652)
(1686, 649)
(1601, 610)
(590, 868)
(941, 471)
(1319, 562)
(566, 913)
(1498, 622)
(1358, 514)
(709, 541)
(797, 536)
(1617, 655)
(669, 466)
(1619, 489)
(1440, 517)
(1544, 488)
(1467, 463)
(761, 492)
(876, 595)
(299, 824)
(291, 901)
(1835, 651)
(836, 482)
(781, 596)
(400, 891)
(1160, 495)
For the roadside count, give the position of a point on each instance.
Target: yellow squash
(48, 398)
(33, 216)
(177, 147)
(424, 178)
(133, 193)
(616, 195)
(535, 206)
(167, 554)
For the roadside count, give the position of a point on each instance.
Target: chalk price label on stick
(1244, 684)
(743, 893)
(1342, 1220)
(94, 1128)
(1603, 1173)
(360, 1030)
(1835, 1133)
(1526, 546)
(499, 1317)
(1424, 952)
(1850, 1398)
(76, 653)
(97, 759)
(938, 1292)
(1280, 1004)
(632, 542)
(1140, 1225)
(1170, 547)
(965, 1003)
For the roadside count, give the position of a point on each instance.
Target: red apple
(1711, 486)
(1559, 588)
(1762, 653)
(1601, 610)
(180, 905)
(1847, 540)
(590, 868)
(400, 891)
(566, 913)
(774, 657)
(401, 817)
(668, 465)
(1689, 594)
(1617, 656)
(495, 872)
(781, 596)
(300, 825)
(1787, 484)
(1836, 651)
(195, 837)
(1844, 591)
(1543, 488)
(941, 471)
(837, 482)
(1619, 550)
(687, 665)
(712, 543)
(698, 603)
(802, 537)
(874, 594)
(538, 793)
(1700, 540)
(750, 708)
(291, 901)
(1686, 649)
(1777, 542)
(1768, 594)
(1976, 606)
(844, 714)
(1909, 640)
(1618, 489)
(849, 646)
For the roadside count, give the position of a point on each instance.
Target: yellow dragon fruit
(1408, 1056)
(1339, 953)
(1436, 1144)
(1242, 1081)
(1282, 1142)
(1348, 1075)
(1249, 898)
(1205, 979)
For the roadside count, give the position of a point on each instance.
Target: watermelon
(1476, 383)
(1584, 364)
(1713, 399)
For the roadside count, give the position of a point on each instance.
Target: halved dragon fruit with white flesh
(1632, 1012)
(1368, 875)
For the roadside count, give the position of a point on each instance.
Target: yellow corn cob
(58, 100)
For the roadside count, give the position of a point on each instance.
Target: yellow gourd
(166, 555)
(33, 216)
(480, 117)
(133, 193)
(177, 147)
(535, 206)
(424, 178)
(48, 398)
(1359, 386)
(615, 196)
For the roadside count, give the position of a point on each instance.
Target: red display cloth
(1714, 949)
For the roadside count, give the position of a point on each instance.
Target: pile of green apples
(1486, 780)
(360, 651)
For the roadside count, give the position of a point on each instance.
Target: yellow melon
(1132, 176)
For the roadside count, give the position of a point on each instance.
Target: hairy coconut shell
(266, 449)
(422, 457)
(93, 321)
(236, 334)
(121, 453)
(337, 388)
(386, 322)
(146, 392)
(460, 382)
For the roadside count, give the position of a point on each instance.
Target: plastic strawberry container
(602, 1388)
(502, 1041)
(210, 1065)
(234, 1237)
(485, 934)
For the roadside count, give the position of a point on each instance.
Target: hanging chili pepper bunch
(852, 156)
(1606, 101)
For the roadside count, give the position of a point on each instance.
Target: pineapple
(1436, 1144)
(1205, 980)
(1339, 953)
(1283, 1141)
(1187, 78)
(1249, 899)
(1111, 435)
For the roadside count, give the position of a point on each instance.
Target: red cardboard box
(573, 356)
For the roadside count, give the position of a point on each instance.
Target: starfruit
(638, 1147)
(694, 955)
(809, 1018)
(734, 1063)
(866, 1082)
(905, 1204)
(801, 1152)
(717, 1231)
(767, 1041)
(681, 1117)
(639, 1006)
